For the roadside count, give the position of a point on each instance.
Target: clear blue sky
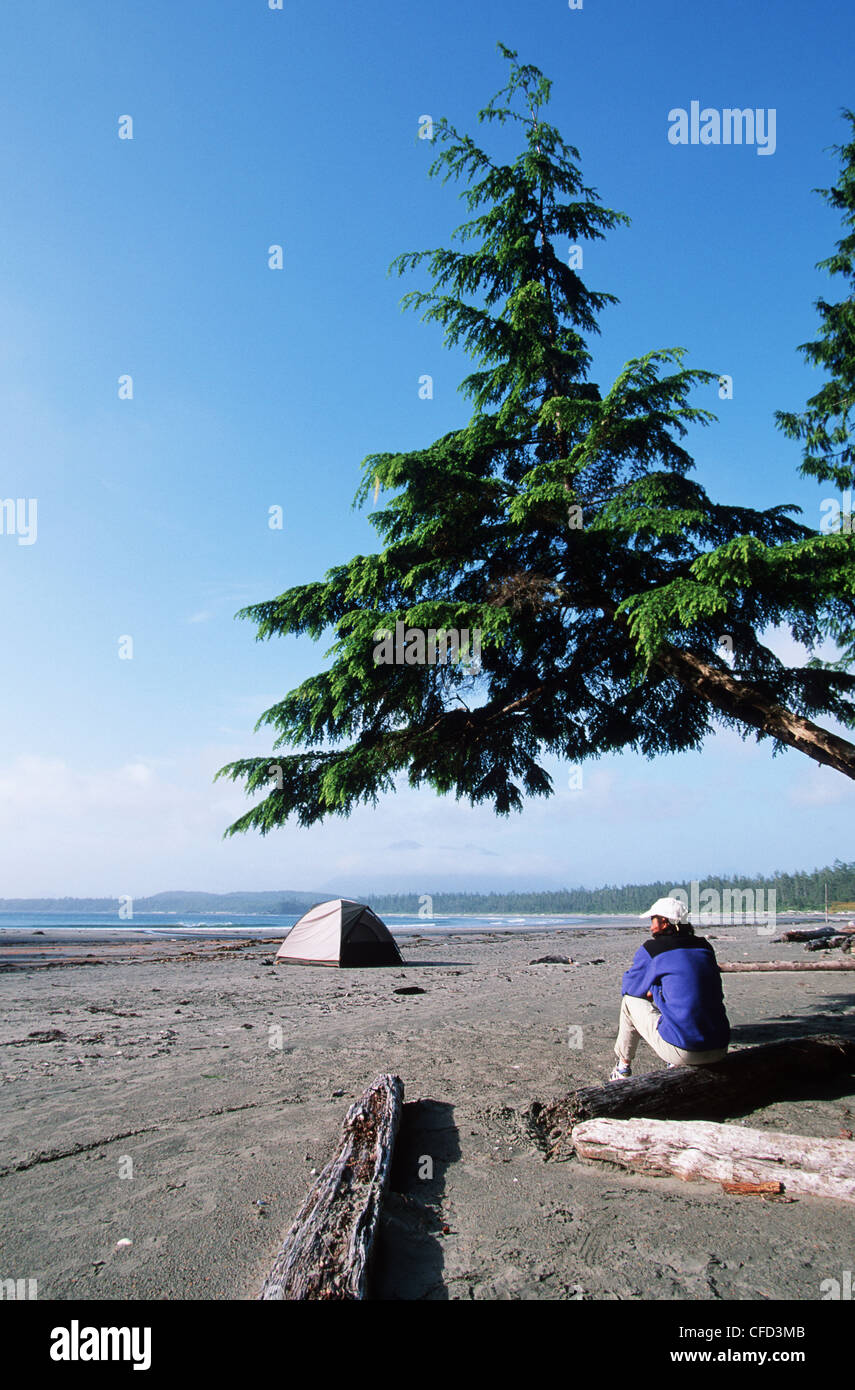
(254, 387)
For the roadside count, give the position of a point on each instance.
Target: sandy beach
(178, 1095)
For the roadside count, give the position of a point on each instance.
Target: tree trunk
(751, 706)
(326, 1252)
(745, 702)
(723, 1153)
(739, 1083)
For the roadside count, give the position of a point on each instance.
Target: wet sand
(178, 1093)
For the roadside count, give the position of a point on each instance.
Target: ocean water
(70, 925)
(80, 926)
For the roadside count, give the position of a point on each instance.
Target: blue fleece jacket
(682, 974)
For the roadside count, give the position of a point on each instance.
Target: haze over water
(66, 925)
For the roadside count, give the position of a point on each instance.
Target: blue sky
(255, 388)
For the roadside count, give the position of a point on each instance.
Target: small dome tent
(340, 932)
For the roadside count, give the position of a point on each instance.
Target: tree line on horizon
(800, 891)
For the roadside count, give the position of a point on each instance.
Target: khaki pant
(640, 1019)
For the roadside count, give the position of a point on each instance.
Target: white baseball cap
(671, 908)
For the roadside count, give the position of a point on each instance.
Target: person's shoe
(621, 1073)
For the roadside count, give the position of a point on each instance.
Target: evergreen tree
(825, 427)
(560, 524)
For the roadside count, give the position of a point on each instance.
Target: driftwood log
(326, 1252)
(723, 1153)
(754, 1189)
(738, 966)
(739, 1083)
(814, 934)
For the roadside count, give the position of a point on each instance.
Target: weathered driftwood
(754, 1189)
(326, 1252)
(740, 1082)
(812, 935)
(805, 1166)
(738, 966)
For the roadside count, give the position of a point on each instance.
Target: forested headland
(795, 892)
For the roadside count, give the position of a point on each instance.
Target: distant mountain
(284, 900)
(240, 904)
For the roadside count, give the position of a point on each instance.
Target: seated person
(672, 995)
